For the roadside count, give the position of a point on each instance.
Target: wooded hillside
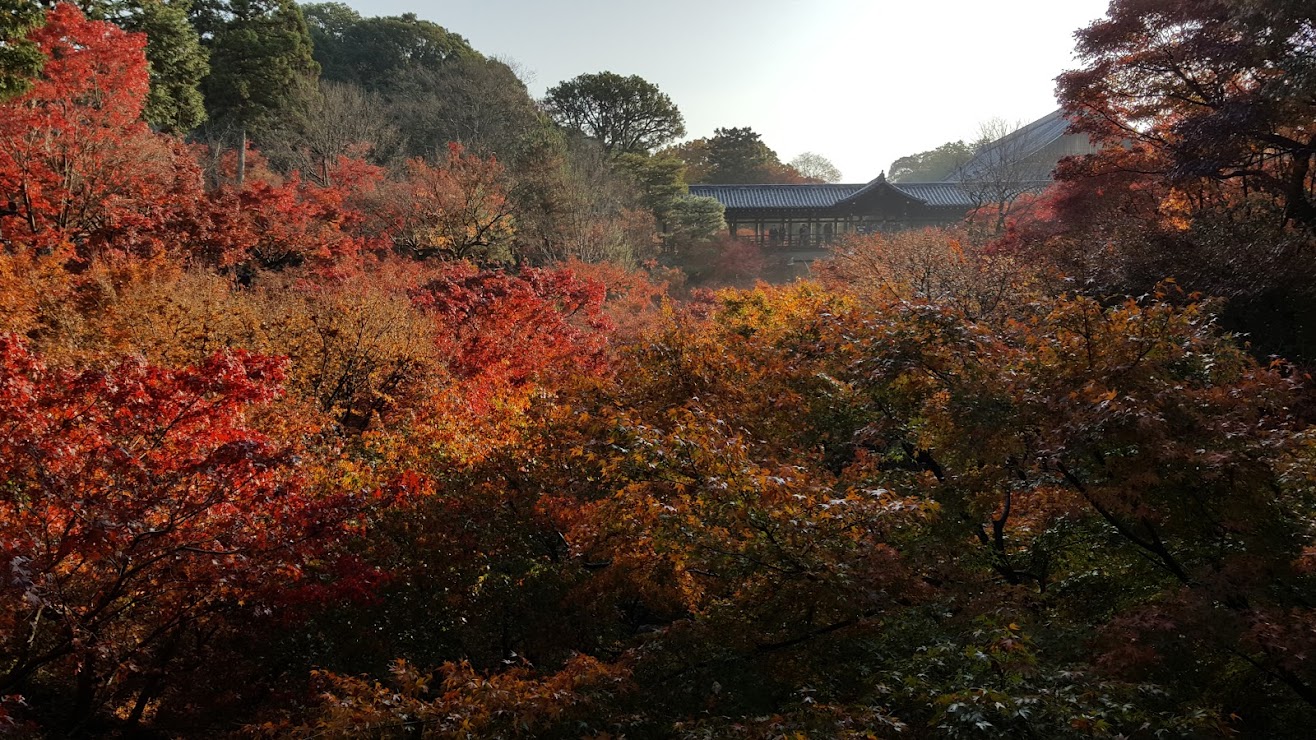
(390, 402)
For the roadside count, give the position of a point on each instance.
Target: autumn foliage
(329, 457)
(140, 507)
(457, 211)
(79, 169)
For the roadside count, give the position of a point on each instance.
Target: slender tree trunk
(242, 157)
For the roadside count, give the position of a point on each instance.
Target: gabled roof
(779, 197)
(818, 197)
(928, 193)
(955, 192)
(776, 196)
(878, 182)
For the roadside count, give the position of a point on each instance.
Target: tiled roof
(776, 196)
(928, 193)
(826, 196)
(954, 192)
(1017, 145)
(935, 193)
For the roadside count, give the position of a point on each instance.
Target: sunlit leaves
(81, 172)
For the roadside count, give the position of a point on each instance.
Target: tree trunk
(1297, 205)
(242, 157)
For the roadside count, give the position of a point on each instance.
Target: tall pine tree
(179, 63)
(261, 68)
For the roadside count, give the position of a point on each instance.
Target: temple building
(804, 217)
(797, 222)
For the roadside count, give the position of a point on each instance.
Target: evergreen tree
(20, 60)
(660, 180)
(739, 156)
(178, 65)
(375, 52)
(208, 18)
(934, 165)
(173, 48)
(626, 114)
(261, 68)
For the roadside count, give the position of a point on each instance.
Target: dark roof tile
(780, 197)
(928, 193)
(776, 196)
(935, 193)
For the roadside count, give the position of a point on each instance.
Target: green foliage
(20, 60)
(433, 87)
(572, 201)
(626, 114)
(696, 219)
(261, 64)
(931, 166)
(473, 100)
(328, 22)
(738, 155)
(660, 178)
(993, 679)
(374, 52)
(178, 62)
(734, 156)
(208, 18)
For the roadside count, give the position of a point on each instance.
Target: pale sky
(861, 82)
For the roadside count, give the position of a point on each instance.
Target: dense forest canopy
(348, 391)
